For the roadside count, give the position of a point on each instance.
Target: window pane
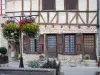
(70, 43)
(3, 11)
(67, 43)
(51, 41)
(32, 45)
(0, 2)
(0, 12)
(3, 6)
(3, 1)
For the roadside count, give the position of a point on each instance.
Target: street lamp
(21, 65)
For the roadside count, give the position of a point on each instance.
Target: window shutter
(26, 44)
(41, 44)
(70, 4)
(48, 4)
(60, 43)
(79, 41)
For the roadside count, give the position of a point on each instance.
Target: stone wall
(62, 58)
(73, 29)
(22, 71)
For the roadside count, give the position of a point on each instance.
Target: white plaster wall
(59, 4)
(16, 5)
(82, 6)
(26, 5)
(13, 5)
(93, 5)
(3, 41)
(9, 6)
(35, 4)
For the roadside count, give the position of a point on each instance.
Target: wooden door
(89, 45)
(51, 46)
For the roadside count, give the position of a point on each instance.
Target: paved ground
(66, 69)
(80, 70)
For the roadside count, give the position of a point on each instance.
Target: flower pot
(13, 54)
(86, 62)
(3, 59)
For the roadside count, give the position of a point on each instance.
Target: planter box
(3, 60)
(13, 54)
(86, 62)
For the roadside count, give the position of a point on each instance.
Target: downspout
(98, 29)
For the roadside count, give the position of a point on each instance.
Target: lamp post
(21, 65)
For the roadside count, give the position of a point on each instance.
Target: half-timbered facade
(67, 27)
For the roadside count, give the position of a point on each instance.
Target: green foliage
(3, 50)
(86, 57)
(41, 58)
(34, 64)
(99, 63)
(31, 29)
(54, 64)
(11, 31)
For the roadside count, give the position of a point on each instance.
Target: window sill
(33, 52)
(69, 54)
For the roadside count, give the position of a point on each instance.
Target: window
(70, 4)
(51, 41)
(48, 4)
(2, 7)
(33, 45)
(70, 44)
(89, 41)
(30, 45)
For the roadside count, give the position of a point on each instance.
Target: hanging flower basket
(31, 29)
(11, 31)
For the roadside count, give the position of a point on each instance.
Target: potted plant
(53, 64)
(3, 56)
(34, 64)
(41, 57)
(99, 63)
(11, 31)
(29, 27)
(87, 60)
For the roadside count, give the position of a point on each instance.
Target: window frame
(1, 6)
(70, 4)
(55, 41)
(69, 45)
(54, 8)
(27, 45)
(35, 45)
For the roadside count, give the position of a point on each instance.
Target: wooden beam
(39, 5)
(22, 7)
(77, 18)
(87, 14)
(57, 20)
(39, 10)
(30, 7)
(54, 11)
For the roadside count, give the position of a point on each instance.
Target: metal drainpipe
(98, 29)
